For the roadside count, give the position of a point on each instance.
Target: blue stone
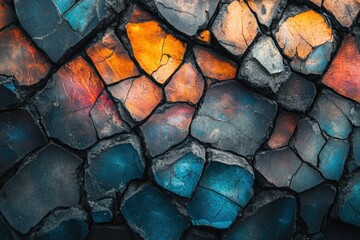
(315, 204)
(179, 170)
(64, 5)
(308, 141)
(5, 231)
(219, 212)
(103, 210)
(112, 164)
(305, 178)
(147, 210)
(348, 203)
(270, 217)
(8, 92)
(330, 117)
(19, 135)
(46, 180)
(332, 158)
(355, 142)
(225, 187)
(69, 224)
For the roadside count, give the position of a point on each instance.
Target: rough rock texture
(67, 100)
(240, 128)
(112, 164)
(264, 66)
(235, 27)
(267, 10)
(41, 181)
(187, 16)
(345, 11)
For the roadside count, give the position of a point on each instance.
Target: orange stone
(264, 9)
(345, 11)
(20, 58)
(81, 85)
(283, 131)
(204, 36)
(6, 14)
(297, 36)
(213, 65)
(138, 14)
(111, 59)
(187, 85)
(156, 51)
(343, 75)
(139, 96)
(235, 27)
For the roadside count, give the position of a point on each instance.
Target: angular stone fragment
(106, 118)
(111, 59)
(283, 131)
(267, 10)
(308, 141)
(213, 65)
(284, 169)
(110, 232)
(344, 11)
(348, 200)
(179, 170)
(64, 104)
(145, 209)
(187, 16)
(10, 96)
(315, 204)
(332, 158)
(271, 216)
(157, 52)
(7, 15)
(187, 85)
(19, 135)
(204, 37)
(296, 93)
(167, 126)
(264, 66)
(20, 58)
(343, 75)
(112, 164)
(355, 143)
(225, 188)
(103, 210)
(330, 117)
(240, 127)
(139, 96)
(41, 181)
(235, 27)
(71, 224)
(55, 26)
(308, 50)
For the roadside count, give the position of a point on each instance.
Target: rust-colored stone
(235, 27)
(343, 75)
(6, 14)
(20, 58)
(139, 96)
(213, 65)
(187, 85)
(157, 52)
(111, 59)
(284, 129)
(297, 36)
(204, 36)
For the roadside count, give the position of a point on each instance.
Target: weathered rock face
(41, 181)
(264, 66)
(54, 25)
(235, 27)
(239, 127)
(308, 50)
(140, 209)
(187, 16)
(67, 100)
(267, 10)
(344, 11)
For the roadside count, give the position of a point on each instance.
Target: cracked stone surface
(235, 27)
(181, 120)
